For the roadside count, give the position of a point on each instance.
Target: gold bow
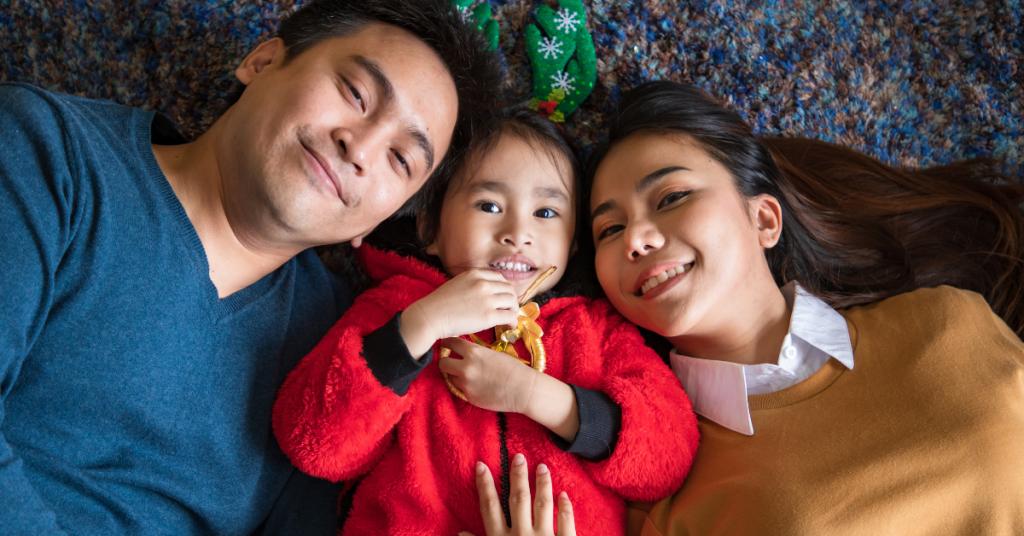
(526, 328)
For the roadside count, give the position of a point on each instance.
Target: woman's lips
(665, 286)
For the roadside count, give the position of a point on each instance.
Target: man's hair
(461, 48)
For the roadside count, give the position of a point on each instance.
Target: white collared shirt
(718, 390)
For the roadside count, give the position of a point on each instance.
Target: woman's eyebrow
(651, 178)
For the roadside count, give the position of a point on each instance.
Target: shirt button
(790, 352)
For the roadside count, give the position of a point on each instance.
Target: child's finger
(452, 366)
(519, 503)
(490, 505)
(543, 504)
(566, 522)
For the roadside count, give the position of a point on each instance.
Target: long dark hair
(855, 230)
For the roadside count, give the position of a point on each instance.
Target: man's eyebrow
(423, 143)
(551, 193)
(379, 78)
(653, 177)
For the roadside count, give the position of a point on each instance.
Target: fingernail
(542, 469)
(518, 460)
(480, 468)
(563, 495)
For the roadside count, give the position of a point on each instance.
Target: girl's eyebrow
(551, 193)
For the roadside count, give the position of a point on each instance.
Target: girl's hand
(472, 301)
(520, 504)
(499, 382)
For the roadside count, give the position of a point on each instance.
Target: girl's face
(679, 250)
(512, 213)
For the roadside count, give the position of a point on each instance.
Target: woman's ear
(767, 214)
(266, 53)
(425, 234)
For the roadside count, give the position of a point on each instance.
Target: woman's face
(679, 250)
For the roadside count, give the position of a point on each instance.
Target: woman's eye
(487, 206)
(545, 213)
(608, 231)
(672, 198)
(402, 162)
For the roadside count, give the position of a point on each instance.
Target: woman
(841, 386)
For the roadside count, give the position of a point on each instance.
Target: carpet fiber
(913, 83)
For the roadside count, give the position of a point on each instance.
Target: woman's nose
(642, 240)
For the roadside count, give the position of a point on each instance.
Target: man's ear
(423, 232)
(268, 52)
(767, 215)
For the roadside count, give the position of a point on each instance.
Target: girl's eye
(487, 206)
(402, 162)
(672, 198)
(609, 231)
(545, 213)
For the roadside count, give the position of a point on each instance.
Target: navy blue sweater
(132, 399)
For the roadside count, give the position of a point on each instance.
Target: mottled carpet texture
(913, 83)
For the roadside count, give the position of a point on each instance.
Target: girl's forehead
(524, 166)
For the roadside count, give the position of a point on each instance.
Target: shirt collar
(718, 389)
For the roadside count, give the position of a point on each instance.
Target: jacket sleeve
(335, 411)
(658, 436)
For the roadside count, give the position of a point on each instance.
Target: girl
(606, 416)
(900, 413)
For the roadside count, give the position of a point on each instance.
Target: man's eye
(488, 206)
(402, 162)
(356, 95)
(609, 231)
(545, 213)
(672, 198)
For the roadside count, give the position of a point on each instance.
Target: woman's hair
(855, 230)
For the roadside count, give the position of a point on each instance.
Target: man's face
(322, 149)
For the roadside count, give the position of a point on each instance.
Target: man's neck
(194, 174)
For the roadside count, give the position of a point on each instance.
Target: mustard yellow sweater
(924, 436)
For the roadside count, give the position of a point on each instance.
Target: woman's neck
(753, 336)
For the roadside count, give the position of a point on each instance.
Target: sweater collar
(719, 390)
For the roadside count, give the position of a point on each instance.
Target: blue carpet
(913, 83)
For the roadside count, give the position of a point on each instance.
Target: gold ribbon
(526, 328)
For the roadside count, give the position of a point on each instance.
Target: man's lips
(323, 172)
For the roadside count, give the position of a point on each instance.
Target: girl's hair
(518, 122)
(855, 230)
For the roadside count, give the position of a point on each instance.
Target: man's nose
(359, 146)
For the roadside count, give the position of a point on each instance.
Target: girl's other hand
(521, 507)
(472, 301)
(499, 382)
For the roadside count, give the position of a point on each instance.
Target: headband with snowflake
(481, 17)
(560, 83)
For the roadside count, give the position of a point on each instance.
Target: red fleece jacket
(416, 452)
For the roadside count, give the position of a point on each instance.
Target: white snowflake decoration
(567, 20)
(563, 81)
(551, 47)
(465, 13)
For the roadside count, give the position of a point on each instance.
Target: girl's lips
(665, 286)
(515, 275)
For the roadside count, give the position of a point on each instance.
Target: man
(154, 293)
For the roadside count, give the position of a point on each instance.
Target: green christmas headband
(560, 82)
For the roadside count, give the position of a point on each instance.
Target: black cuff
(389, 359)
(600, 422)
